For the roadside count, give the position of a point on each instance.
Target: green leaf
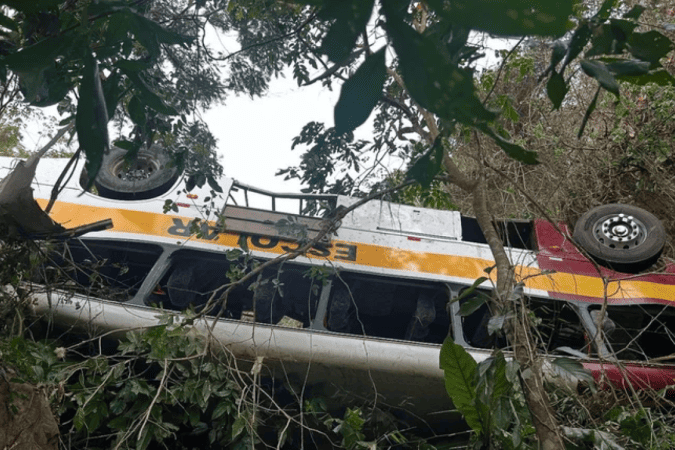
(471, 305)
(148, 32)
(635, 12)
(556, 88)
(133, 65)
(214, 184)
(146, 96)
(32, 6)
(239, 425)
(91, 120)
(505, 105)
(515, 151)
(588, 113)
(145, 438)
(470, 290)
(223, 407)
(8, 22)
(577, 43)
(621, 30)
(493, 389)
(638, 426)
(40, 55)
(351, 18)
(242, 242)
(509, 18)
(118, 423)
(128, 145)
(44, 87)
(571, 368)
(611, 38)
(598, 70)
(605, 9)
(164, 35)
(136, 111)
(650, 46)
(42, 82)
(194, 415)
(191, 182)
(93, 420)
(361, 93)
(459, 371)
(432, 79)
(502, 414)
(602, 42)
(660, 77)
(67, 120)
(428, 165)
(558, 53)
(112, 92)
(625, 67)
(78, 420)
(496, 324)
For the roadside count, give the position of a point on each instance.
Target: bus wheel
(622, 237)
(149, 175)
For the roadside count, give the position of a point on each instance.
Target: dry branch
(20, 214)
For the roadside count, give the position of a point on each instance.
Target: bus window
(557, 326)
(107, 269)
(388, 308)
(475, 325)
(280, 294)
(639, 332)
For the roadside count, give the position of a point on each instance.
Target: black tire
(622, 237)
(150, 175)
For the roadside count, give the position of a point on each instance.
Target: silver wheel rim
(142, 168)
(619, 231)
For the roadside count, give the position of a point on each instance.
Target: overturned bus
(365, 309)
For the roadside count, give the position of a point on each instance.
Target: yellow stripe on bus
(147, 223)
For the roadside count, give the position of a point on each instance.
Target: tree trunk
(517, 327)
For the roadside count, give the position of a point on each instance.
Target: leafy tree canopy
(143, 63)
(149, 63)
(426, 86)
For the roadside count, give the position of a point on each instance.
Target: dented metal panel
(271, 223)
(374, 368)
(387, 217)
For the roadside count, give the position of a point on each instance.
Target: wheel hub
(140, 169)
(620, 231)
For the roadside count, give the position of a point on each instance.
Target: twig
(501, 69)
(55, 190)
(154, 400)
(101, 225)
(36, 156)
(268, 41)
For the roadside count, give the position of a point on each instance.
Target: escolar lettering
(345, 252)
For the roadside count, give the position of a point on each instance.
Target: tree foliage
(146, 65)
(610, 43)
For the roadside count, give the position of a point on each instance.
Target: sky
(255, 135)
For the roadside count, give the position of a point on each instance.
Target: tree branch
(501, 69)
(269, 41)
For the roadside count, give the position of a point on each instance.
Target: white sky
(255, 135)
